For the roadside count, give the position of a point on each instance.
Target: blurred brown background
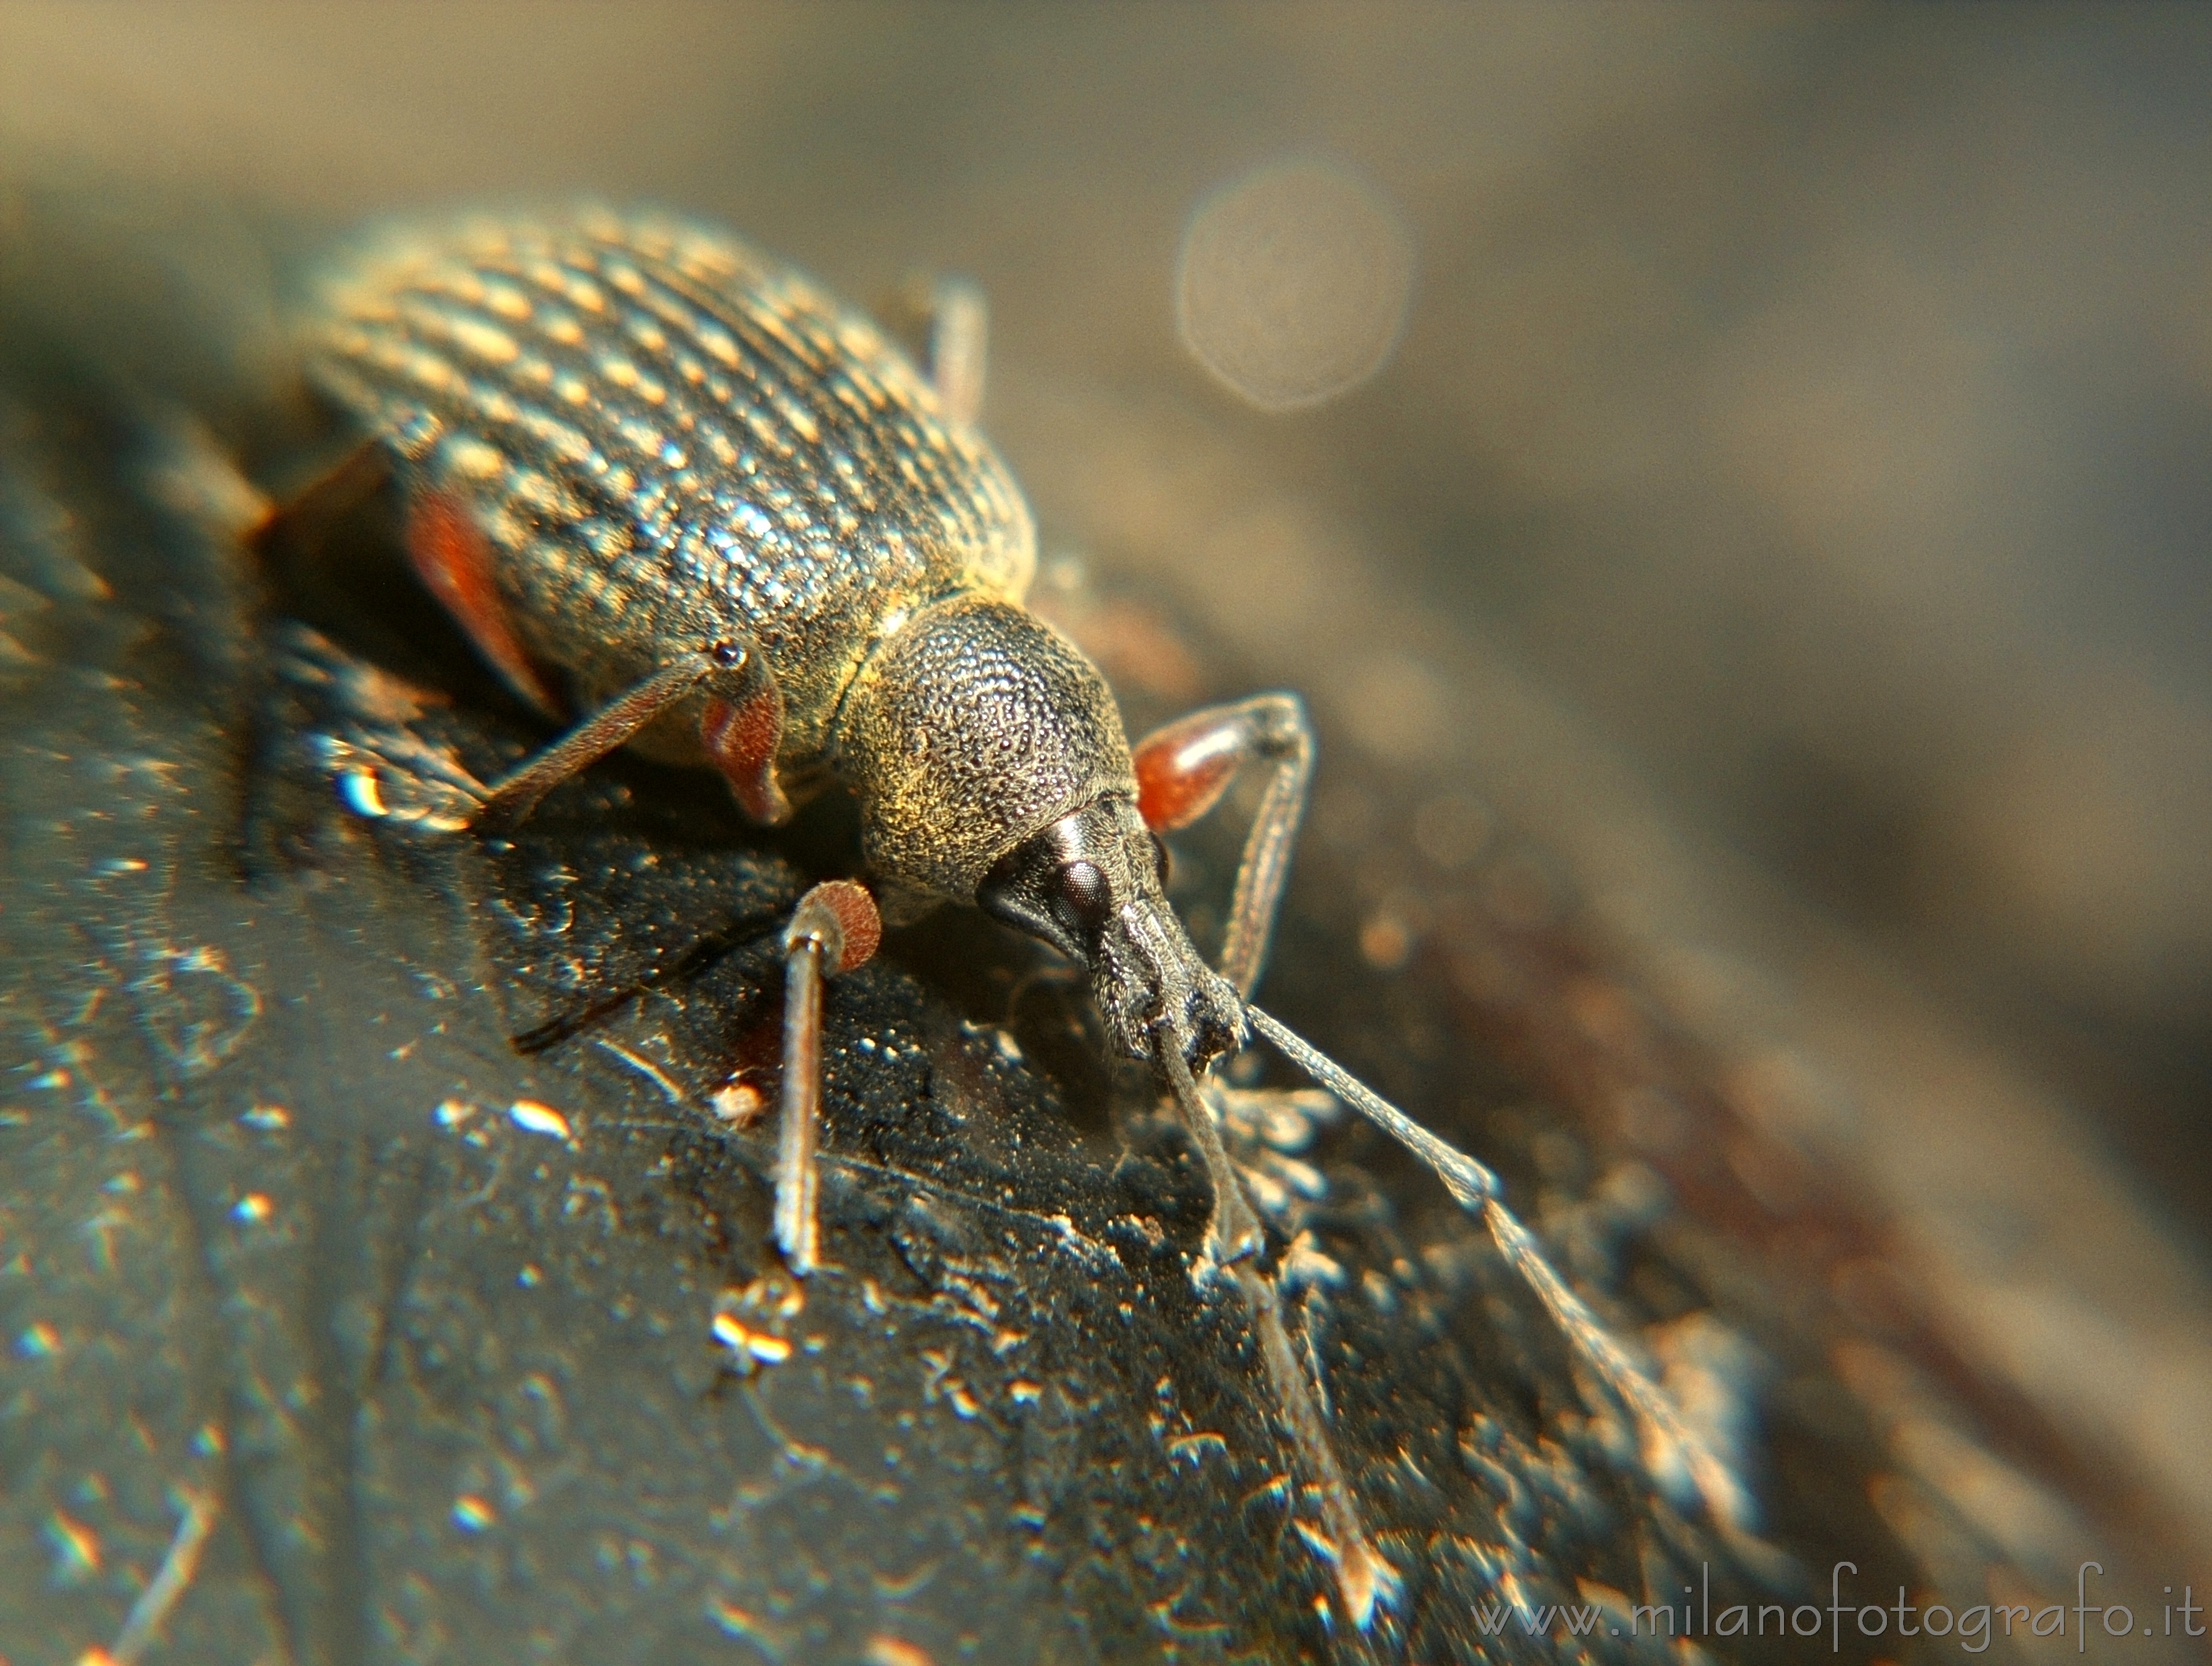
(1789, 493)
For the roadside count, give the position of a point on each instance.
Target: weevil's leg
(1183, 771)
(834, 928)
(959, 345)
(735, 669)
(743, 735)
(1363, 1578)
(1476, 1189)
(453, 557)
(447, 550)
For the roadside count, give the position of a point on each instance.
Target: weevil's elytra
(658, 475)
(657, 432)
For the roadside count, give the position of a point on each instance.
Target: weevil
(667, 482)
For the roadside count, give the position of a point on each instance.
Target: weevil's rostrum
(658, 431)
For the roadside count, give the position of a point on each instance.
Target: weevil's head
(990, 764)
(1092, 885)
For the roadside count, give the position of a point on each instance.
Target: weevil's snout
(1092, 885)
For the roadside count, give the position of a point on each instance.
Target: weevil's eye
(1081, 899)
(1160, 858)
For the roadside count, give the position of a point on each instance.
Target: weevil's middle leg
(734, 671)
(834, 928)
(1184, 770)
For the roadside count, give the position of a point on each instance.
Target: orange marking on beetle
(858, 924)
(1177, 782)
(453, 560)
(742, 740)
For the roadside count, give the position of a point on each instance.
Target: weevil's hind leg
(447, 550)
(834, 929)
(1184, 770)
(1476, 1189)
(734, 671)
(959, 345)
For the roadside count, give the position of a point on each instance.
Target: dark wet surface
(1792, 438)
(300, 1238)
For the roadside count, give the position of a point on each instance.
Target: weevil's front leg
(1183, 771)
(834, 928)
(742, 723)
(1235, 1231)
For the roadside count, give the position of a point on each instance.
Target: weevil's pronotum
(668, 483)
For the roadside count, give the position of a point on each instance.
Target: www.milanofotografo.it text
(1843, 1614)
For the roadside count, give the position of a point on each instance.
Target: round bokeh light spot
(1292, 282)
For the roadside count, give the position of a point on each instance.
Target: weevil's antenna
(1234, 1233)
(1476, 1189)
(1365, 1580)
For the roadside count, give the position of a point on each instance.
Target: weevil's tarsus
(959, 346)
(1183, 769)
(834, 929)
(1671, 1445)
(383, 770)
(733, 670)
(1233, 1234)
